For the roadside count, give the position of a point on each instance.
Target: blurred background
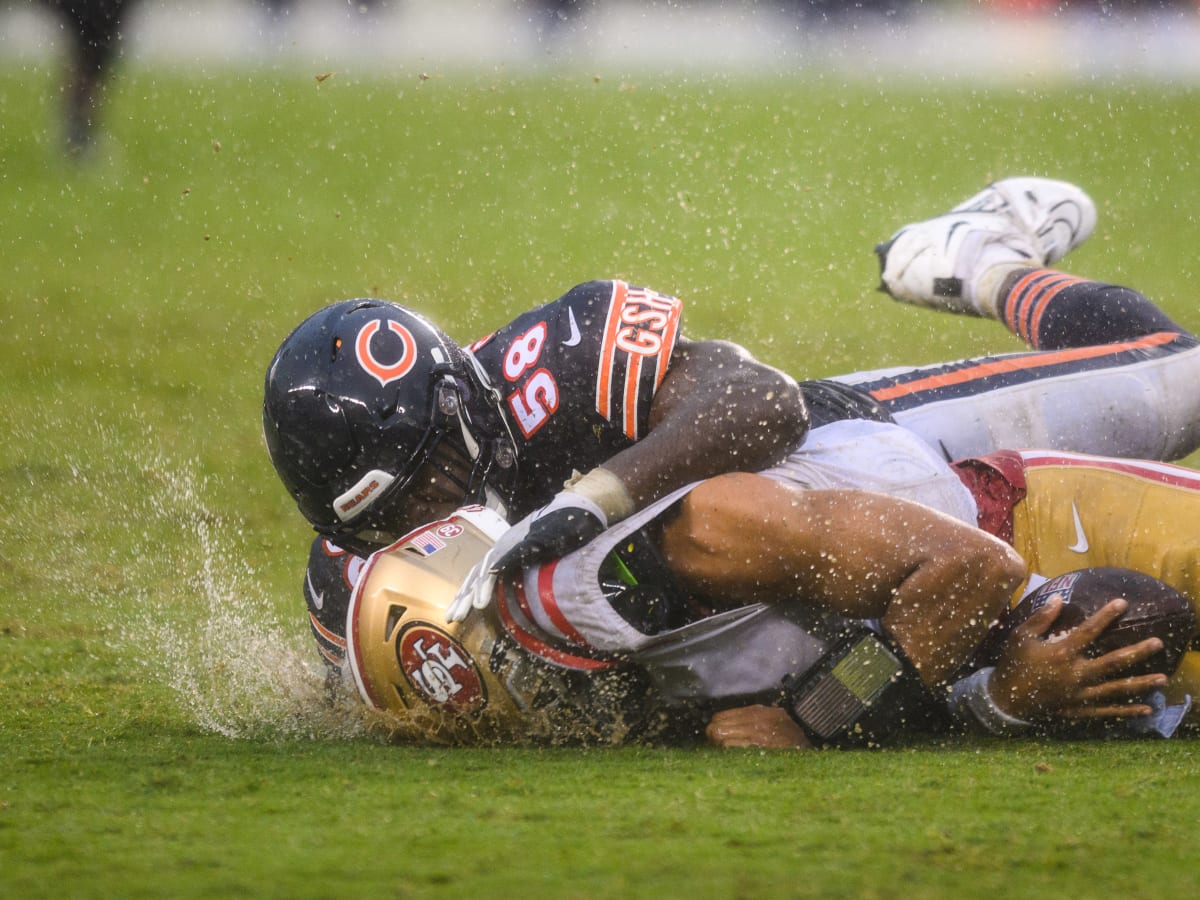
(1016, 40)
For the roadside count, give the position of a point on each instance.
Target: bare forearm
(753, 538)
(935, 582)
(942, 611)
(718, 411)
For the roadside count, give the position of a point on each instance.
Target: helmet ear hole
(395, 613)
(447, 399)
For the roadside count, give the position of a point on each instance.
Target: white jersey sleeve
(879, 457)
(560, 611)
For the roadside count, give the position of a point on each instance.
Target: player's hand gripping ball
(1155, 610)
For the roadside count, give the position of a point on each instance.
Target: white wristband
(971, 696)
(604, 489)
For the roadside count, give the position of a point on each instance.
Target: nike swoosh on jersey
(318, 597)
(1081, 541)
(574, 337)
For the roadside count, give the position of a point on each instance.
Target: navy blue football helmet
(358, 398)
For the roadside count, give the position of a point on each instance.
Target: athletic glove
(566, 523)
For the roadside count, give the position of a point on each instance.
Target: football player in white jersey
(777, 589)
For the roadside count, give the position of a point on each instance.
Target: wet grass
(159, 729)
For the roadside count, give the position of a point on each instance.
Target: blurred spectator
(283, 7)
(835, 11)
(1113, 8)
(548, 15)
(93, 30)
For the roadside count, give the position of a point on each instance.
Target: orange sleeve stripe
(331, 657)
(670, 335)
(608, 349)
(633, 375)
(324, 633)
(1019, 363)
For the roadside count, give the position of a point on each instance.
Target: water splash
(202, 625)
(205, 629)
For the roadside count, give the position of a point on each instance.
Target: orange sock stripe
(1012, 303)
(1027, 302)
(1038, 307)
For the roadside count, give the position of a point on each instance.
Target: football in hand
(1155, 610)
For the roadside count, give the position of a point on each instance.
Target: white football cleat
(1059, 215)
(1023, 221)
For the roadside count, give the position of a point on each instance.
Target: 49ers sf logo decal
(381, 370)
(440, 670)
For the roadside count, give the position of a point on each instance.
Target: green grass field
(162, 731)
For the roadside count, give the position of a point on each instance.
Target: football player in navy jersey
(376, 421)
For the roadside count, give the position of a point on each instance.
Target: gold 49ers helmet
(433, 679)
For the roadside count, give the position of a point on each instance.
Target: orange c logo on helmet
(381, 371)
